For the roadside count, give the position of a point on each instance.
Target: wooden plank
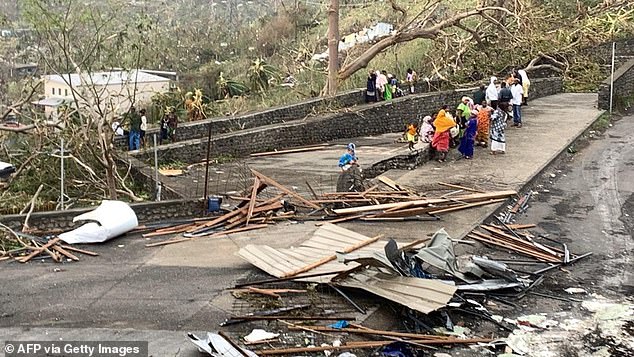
(311, 190)
(405, 212)
(342, 219)
(327, 259)
(231, 214)
(369, 344)
(77, 250)
(66, 253)
(367, 331)
(215, 235)
(271, 182)
(299, 350)
(389, 183)
(254, 193)
(39, 250)
(476, 197)
(508, 245)
(232, 343)
(289, 151)
(166, 242)
(467, 206)
(521, 226)
(460, 187)
(527, 243)
(170, 230)
(364, 193)
(263, 292)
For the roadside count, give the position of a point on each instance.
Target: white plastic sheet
(109, 220)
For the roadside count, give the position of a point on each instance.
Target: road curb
(535, 176)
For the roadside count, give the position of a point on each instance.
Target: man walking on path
(135, 129)
(518, 96)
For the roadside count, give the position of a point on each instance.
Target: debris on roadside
(111, 219)
(435, 288)
(267, 201)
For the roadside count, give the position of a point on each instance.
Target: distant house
(23, 70)
(114, 91)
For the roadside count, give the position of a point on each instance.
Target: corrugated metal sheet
(326, 241)
(423, 295)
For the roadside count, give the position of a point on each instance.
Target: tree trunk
(105, 140)
(333, 47)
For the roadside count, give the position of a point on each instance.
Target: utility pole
(61, 189)
(333, 47)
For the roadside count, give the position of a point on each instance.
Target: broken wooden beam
(269, 181)
(39, 250)
(289, 151)
(330, 258)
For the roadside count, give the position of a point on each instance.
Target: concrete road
(159, 294)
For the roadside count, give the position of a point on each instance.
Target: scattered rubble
(384, 201)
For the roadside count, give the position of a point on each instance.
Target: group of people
(137, 124)
(478, 121)
(385, 86)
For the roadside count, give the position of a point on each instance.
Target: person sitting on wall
(349, 158)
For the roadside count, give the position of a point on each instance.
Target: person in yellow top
(411, 132)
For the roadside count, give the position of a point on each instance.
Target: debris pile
(432, 285)
(110, 219)
(385, 201)
(31, 247)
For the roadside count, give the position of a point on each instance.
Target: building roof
(51, 102)
(107, 78)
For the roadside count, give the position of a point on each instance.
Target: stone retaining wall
(603, 52)
(367, 120)
(146, 212)
(199, 129)
(623, 86)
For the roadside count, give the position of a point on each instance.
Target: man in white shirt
(518, 95)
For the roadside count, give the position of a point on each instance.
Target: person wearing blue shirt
(348, 158)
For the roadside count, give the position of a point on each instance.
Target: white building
(113, 91)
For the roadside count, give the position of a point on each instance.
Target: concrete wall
(623, 86)
(374, 119)
(146, 212)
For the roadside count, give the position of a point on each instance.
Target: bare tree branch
(428, 32)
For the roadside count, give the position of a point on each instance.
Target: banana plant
(262, 75)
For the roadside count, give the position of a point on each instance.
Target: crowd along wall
(281, 114)
(373, 119)
(623, 87)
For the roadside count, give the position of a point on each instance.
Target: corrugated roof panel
(326, 241)
(423, 295)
